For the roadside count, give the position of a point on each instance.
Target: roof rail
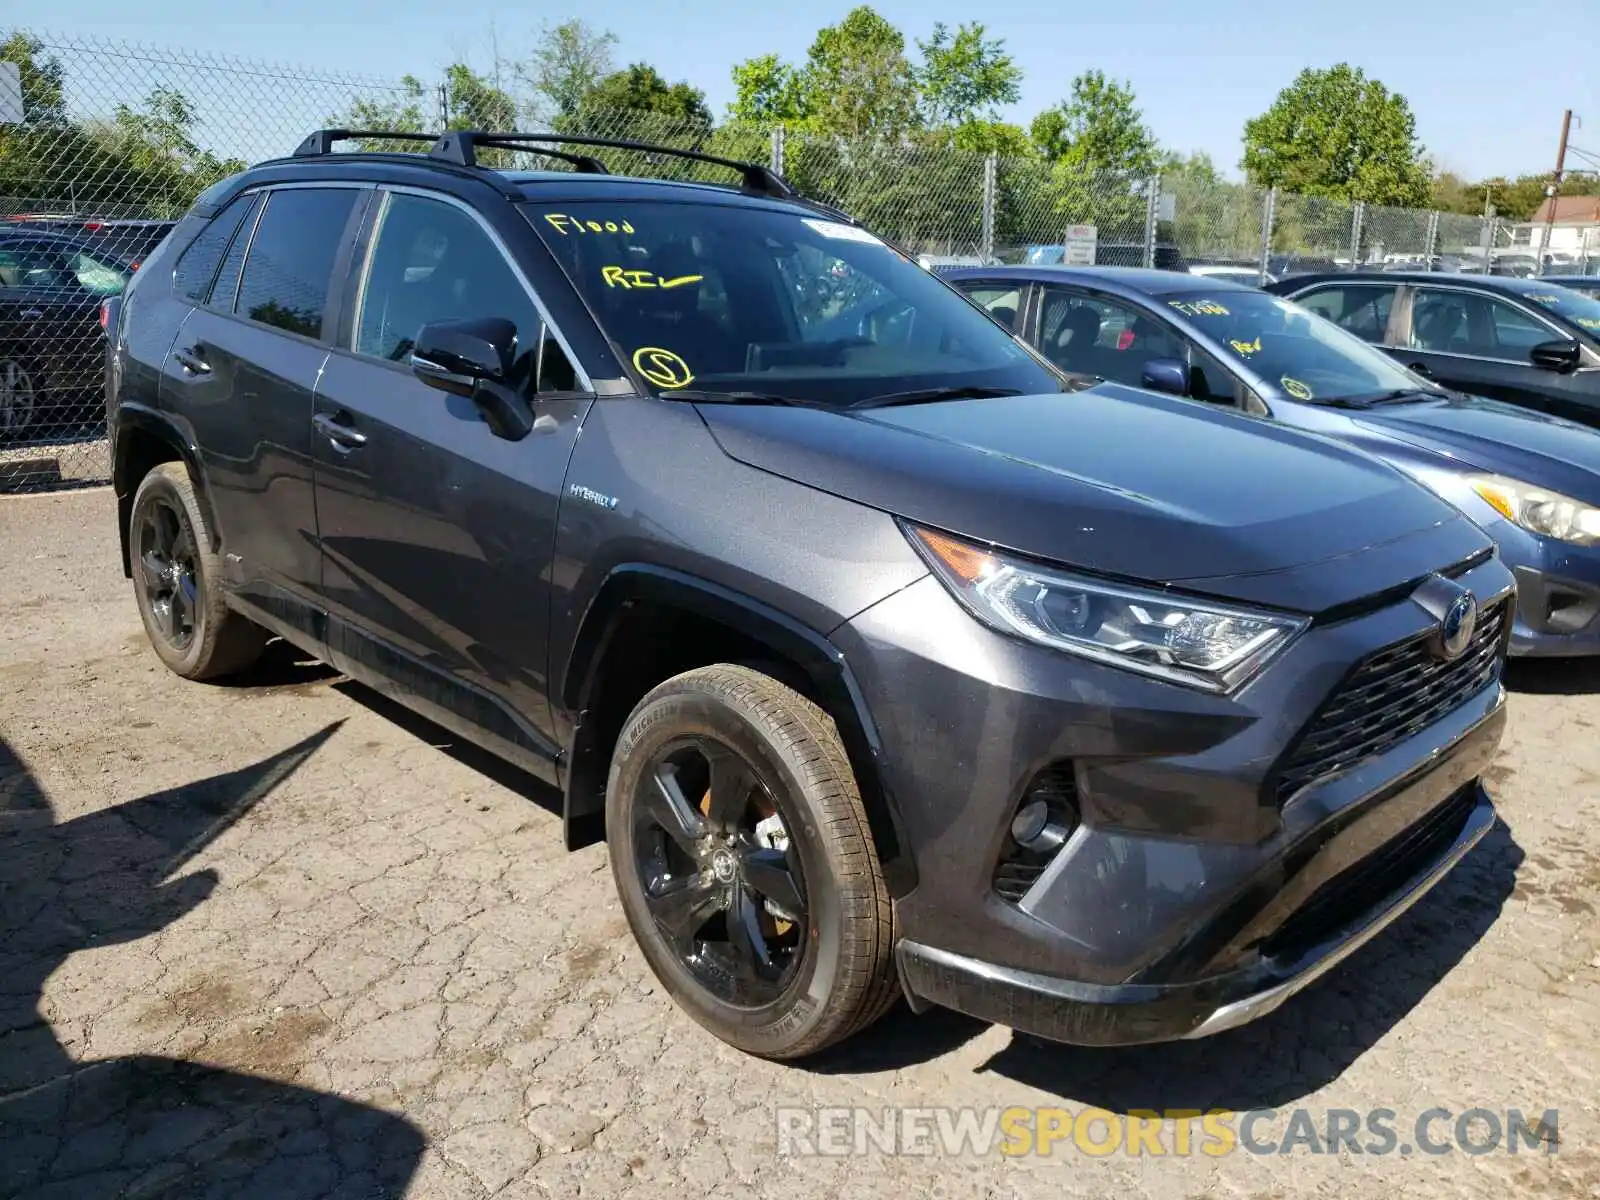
(460, 146)
(321, 141)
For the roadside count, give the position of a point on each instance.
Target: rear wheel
(20, 388)
(742, 855)
(176, 581)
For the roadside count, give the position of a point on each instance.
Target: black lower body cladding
(1190, 889)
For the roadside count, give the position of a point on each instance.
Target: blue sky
(1488, 83)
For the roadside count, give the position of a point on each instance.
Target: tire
(195, 633)
(21, 390)
(837, 973)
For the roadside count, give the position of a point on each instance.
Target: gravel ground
(280, 939)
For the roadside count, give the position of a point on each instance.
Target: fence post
(444, 105)
(991, 171)
(1356, 216)
(1152, 211)
(1430, 254)
(777, 149)
(1269, 212)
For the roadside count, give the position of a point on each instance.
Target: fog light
(1031, 828)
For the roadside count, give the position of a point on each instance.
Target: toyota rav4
(885, 658)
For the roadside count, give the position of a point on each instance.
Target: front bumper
(1087, 1014)
(1193, 894)
(1558, 607)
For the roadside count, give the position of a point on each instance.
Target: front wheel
(744, 862)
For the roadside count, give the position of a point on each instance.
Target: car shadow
(1553, 676)
(508, 775)
(1308, 1043)
(281, 665)
(143, 1124)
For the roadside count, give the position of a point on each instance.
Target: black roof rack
(321, 141)
(460, 146)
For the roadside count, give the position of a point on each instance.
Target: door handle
(33, 313)
(343, 437)
(192, 361)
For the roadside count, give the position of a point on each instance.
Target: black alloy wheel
(717, 872)
(745, 864)
(165, 560)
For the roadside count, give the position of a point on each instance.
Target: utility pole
(1554, 190)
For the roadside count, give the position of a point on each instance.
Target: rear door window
(288, 272)
(1363, 310)
(197, 265)
(1094, 336)
(999, 301)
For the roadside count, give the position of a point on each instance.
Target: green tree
(767, 91)
(43, 80)
(965, 78)
(568, 62)
(640, 88)
(858, 81)
(992, 137)
(1098, 127)
(1101, 154)
(1213, 217)
(474, 102)
(403, 111)
(1336, 133)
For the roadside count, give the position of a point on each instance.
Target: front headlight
(1539, 510)
(1195, 642)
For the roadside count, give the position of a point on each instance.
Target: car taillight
(105, 314)
(136, 264)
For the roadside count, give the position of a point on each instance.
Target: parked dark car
(1532, 481)
(1525, 341)
(125, 241)
(52, 349)
(1589, 285)
(831, 638)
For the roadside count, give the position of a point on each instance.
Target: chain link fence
(114, 141)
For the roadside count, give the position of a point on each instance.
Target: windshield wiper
(1394, 396)
(1341, 402)
(930, 395)
(701, 397)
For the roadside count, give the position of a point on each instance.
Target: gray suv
(886, 659)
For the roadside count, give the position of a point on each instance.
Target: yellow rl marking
(625, 278)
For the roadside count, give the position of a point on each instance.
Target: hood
(1122, 482)
(1486, 435)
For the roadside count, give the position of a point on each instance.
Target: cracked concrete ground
(280, 939)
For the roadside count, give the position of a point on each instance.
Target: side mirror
(1562, 356)
(473, 359)
(1168, 375)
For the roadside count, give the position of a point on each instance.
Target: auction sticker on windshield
(1295, 388)
(841, 232)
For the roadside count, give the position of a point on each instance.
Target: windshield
(1583, 311)
(1298, 352)
(727, 298)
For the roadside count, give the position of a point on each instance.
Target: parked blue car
(1531, 480)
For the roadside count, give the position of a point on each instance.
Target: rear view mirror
(474, 359)
(1168, 375)
(1562, 355)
